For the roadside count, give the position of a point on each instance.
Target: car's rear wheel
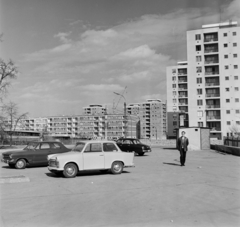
(117, 167)
(20, 164)
(70, 170)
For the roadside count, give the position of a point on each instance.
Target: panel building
(206, 86)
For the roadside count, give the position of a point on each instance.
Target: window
(174, 123)
(226, 66)
(79, 147)
(198, 37)
(56, 146)
(228, 111)
(109, 147)
(199, 80)
(225, 45)
(200, 124)
(237, 111)
(228, 122)
(199, 102)
(93, 147)
(174, 78)
(234, 33)
(199, 69)
(200, 113)
(235, 77)
(198, 58)
(199, 91)
(235, 55)
(45, 146)
(234, 44)
(238, 122)
(226, 77)
(198, 48)
(227, 88)
(174, 93)
(235, 66)
(174, 100)
(236, 89)
(225, 56)
(227, 100)
(225, 34)
(174, 85)
(236, 99)
(173, 70)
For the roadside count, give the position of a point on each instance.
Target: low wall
(226, 149)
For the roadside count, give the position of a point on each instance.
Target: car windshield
(136, 142)
(31, 146)
(79, 147)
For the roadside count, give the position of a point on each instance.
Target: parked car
(133, 145)
(34, 154)
(91, 155)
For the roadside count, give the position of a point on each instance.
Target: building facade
(207, 86)
(152, 117)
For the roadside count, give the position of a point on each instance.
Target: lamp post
(125, 109)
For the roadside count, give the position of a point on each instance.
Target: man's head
(183, 133)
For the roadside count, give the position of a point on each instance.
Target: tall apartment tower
(213, 79)
(152, 116)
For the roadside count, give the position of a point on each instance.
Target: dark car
(34, 154)
(133, 145)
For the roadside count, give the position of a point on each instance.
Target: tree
(11, 120)
(235, 130)
(8, 71)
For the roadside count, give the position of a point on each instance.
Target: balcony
(212, 106)
(182, 103)
(206, 51)
(215, 61)
(182, 81)
(214, 129)
(212, 84)
(213, 95)
(212, 39)
(216, 117)
(182, 96)
(182, 74)
(182, 88)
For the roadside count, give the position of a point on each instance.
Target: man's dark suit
(182, 147)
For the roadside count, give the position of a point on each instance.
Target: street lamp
(125, 110)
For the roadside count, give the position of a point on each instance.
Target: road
(157, 192)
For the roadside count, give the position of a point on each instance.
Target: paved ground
(157, 192)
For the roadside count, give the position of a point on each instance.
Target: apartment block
(209, 91)
(94, 110)
(152, 116)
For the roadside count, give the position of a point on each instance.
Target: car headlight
(10, 156)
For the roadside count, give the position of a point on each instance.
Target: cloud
(92, 64)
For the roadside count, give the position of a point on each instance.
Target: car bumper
(127, 166)
(8, 161)
(147, 150)
(51, 168)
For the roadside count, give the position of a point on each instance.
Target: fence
(232, 141)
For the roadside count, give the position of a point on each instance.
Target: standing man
(182, 145)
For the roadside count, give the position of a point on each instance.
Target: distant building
(94, 110)
(207, 85)
(152, 116)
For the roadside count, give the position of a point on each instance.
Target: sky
(74, 53)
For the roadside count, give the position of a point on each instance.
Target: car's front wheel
(70, 170)
(141, 153)
(20, 164)
(117, 167)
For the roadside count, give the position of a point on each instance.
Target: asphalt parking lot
(157, 192)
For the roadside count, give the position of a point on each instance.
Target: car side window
(109, 147)
(127, 142)
(93, 147)
(45, 146)
(120, 141)
(56, 146)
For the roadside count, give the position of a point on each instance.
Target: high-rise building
(207, 86)
(152, 116)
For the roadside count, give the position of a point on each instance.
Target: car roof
(97, 141)
(128, 138)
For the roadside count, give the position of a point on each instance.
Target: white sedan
(90, 155)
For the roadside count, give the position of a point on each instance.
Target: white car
(91, 155)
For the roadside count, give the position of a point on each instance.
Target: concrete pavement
(157, 192)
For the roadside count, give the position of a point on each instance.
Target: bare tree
(8, 71)
(11, 119)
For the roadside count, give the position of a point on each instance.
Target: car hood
(17, 152)
(63, 155)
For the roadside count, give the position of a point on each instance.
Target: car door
(41, 153)
(126, 145)
(93, 156)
